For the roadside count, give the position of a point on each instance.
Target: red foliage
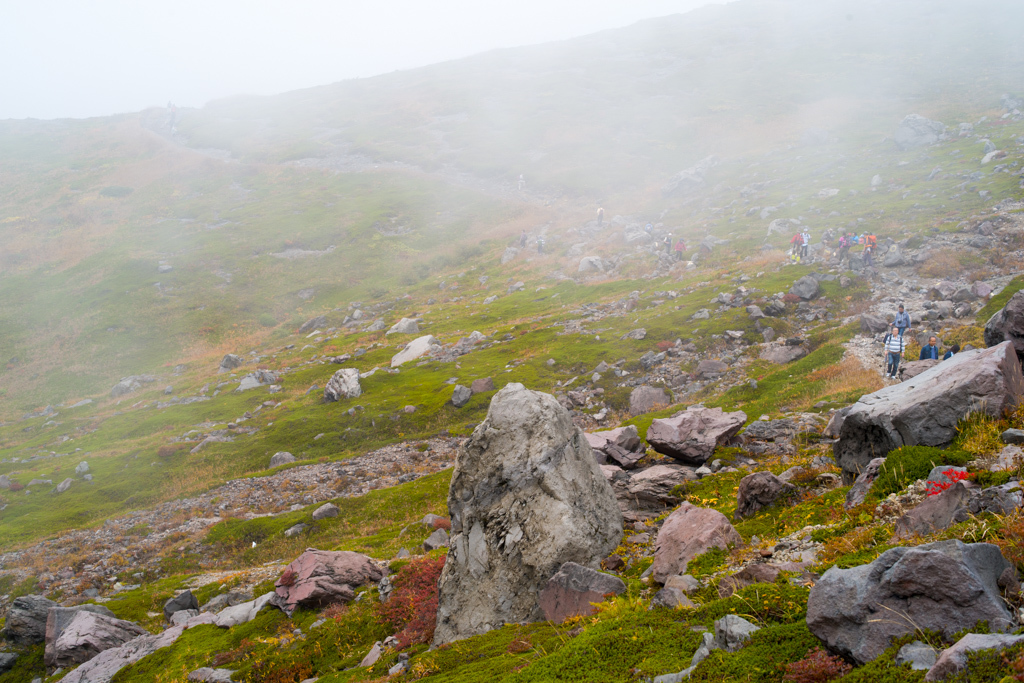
(288, 578)
(664, 345)
(791, 298)
(443, 523)
(1016, 667)
(15, 486)
(952, 476)
(817, 666)
(412, 608)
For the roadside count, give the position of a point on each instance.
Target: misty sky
(74, 58)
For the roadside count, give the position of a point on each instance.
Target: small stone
(325, 511)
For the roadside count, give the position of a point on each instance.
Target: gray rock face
(859, 491)
(913, 368)
(106, 664)
(82, 467)
(229, 363)
(946, 586)
(688, 532)
(920, 656)
(7, 660)
(325, 511)
(570, 592)
(318, 578)
(1000, 500)
(181, 601)
(343, 384)
(65, 485)
(438, 539)
(917, 131)
(319, 322)
(645, 399)
(769, 430)
(26, 620)
(651, 488)
(875, 324)
(482, 385)
(893, 257)
(461, 395)
(954, 659)
(1007, 325)
(924, 411)
(526, 497)
(417, 348)
(1012, 436)
(243, 612)
(733, 632)
(692, 435)
(781, 354)
(281, 458)
(58, 618)
(806, 288)
(404, 326)
(938, 512)
(86, 635)
(759, 490)
(591, 264)
(621, 446)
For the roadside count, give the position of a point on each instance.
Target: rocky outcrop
(405, 326)
(651, 488)
(1007, 325)
(688, 532)
(806, 288)
(245, 612)
(181, 601)
(946, 586)
(780, 354)
(315, 323)
(938, 512)
(57, 619)
(692, 435)
(461, 395)
(913, 368)
(925, 410)
(759, 490)
(571, 592)
(953, 659)
(281, 458)
(621, 446)
(318, 578)
(417, 348)
(229, 362)
(343, 384)
(526, 497)
(859, 491)
(86, 635)
(104, 666)
(645, 399)
(26, 620)
(917, 131)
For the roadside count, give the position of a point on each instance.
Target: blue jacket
(929, 352)
(902, 320)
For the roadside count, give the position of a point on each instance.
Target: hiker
(795, 243)
(870, 243)
(680, 248)
(600, 217)
(522, 240)
(895, 345)
(667, 241)
(522, 181)
(844, 247)
(931, 350)
(902, 321)
(648, 228)
(540, 245)
(805, 243)
(953, 350)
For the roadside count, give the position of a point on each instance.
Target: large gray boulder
(526, 497)
(417, 348)
(405, 326)
(343, 384)
(1007, 325)
(621, 446)
(57, 619)
(86, 635)
(104, 666)
(229, 362)
(645, 399)
(318, 578)
(759, 490)
(925, 410)
(806, 288)
(182, 601)
(946, 586)
(26, 620)
(917, 131)
(651, 488)
(692, 435)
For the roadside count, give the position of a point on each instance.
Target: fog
(65, 58)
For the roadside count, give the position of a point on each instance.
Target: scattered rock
(181, 601)
(461, 395)
(1007, 325)
(920, 656)
(26, 620)
(480, 386)
(947, 586)
(318, 578)
(106, 664)
(859, 491)
(208, 675)
(65, 485)
(688, 532)
(526, 497)
(86, 635)
(570, 592)
(591, 264)
(417, 348)
(438, 539)
(1013, 436)
(281, 458)
(319, 322)
(621, 446)
(925, 411)
(954, 659)
(917, 131)
(82, 467)
(229, 363)
(343, 384)
(638, 334)
(1001, 500)
(759, 490)
(645, 399)
(938, 512)
(733, 632)
(651, 488)
(405, 326)
(709, 369)
(782, 353)
(692, 435)
(806, 288)
(325, 511)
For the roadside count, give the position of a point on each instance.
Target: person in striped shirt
(895, 345)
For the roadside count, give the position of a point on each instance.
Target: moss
(998, 301)
(762, 659)
(27, 667)
(906, 465)
(707, 562)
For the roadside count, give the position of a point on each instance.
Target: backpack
(870, 241)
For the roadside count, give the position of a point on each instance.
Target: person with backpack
(902, 321)
(805, 243)
(540, 245)
(895, 345)
(680, 248)
(931, 350)
(870, 243)
(844, 247)
(522, 240)
(953, 350)
(795, 245)
(667, 241)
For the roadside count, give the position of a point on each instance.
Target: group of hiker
(895, 344)
(800, 245)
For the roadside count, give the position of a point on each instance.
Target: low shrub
(906, 465)
(817, 667)
(412, 608)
